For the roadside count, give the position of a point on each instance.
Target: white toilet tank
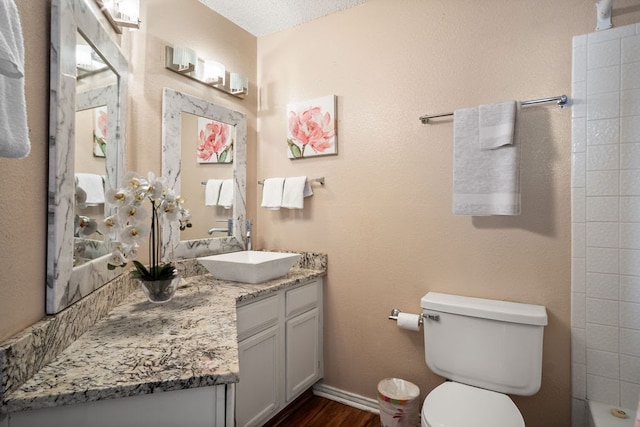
(495, 345)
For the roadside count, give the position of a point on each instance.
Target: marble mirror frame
(65, 284)
(174, 103)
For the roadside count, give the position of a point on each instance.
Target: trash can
(399, 403)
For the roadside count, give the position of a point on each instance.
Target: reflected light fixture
(121, 13)
(214, 73)
(239, 83)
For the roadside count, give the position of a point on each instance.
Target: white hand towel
(272, 193)
(212, 192)
(14, 138)
(226, 194)
(497, 124)
(485, 182)
(93, 185)
(295, 190)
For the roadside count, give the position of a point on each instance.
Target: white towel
(226, 194)
(14, 138)
(497, 124)
(295, 190)
(272, 193)
(212, 192)
(485, 182)
(93, 185)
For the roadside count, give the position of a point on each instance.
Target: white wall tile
(630, 49)
(630, 315)
(630, 76)
(602, 312)
(630, 369)
(629, 262)
(603, 80)
(630, 342)
(605, 286)
(603, 363)
(629, 235)
(578, 413)
(579, 135)
(578, 205)
(629, 209)
(578, 169)
(602, 183)
(578, 310)
(629, 182)
(579, 346)
(606, 131)
(629, 103)
(579, 62)
(629, 393)
(603, 234)
(603, 54)
(601, 337)
(604, 106)
(630, 129)
(613, 33)
(601, 389)
(602, 208)
(579, 380)
(603, 157)
(579, 99)
(579, 236)
(578, 275)
(630, 289)
(602, 260)
(630, 156)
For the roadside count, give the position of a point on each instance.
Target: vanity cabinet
(280, 351)
(202, 406)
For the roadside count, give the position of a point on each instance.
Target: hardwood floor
(315, 411)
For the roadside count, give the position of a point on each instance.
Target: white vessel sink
(249, 266)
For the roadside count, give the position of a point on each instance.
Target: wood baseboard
(346, 397)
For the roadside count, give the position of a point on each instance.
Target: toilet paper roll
(409, 321)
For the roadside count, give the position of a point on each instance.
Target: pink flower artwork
(215, 141)
(311, 128)
(100, 132)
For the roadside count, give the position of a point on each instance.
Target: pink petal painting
(215, 141)
(311, 128)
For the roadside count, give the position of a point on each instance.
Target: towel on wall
(93, 186)
(497, 124)
(485, 182)
(295, 190)
(212, 192)
(272, 193)
(226, 194)
(14, 138)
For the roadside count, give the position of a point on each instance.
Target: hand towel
(272, 193)
(212, 192)
(295, 190)
(93, 185)
(485, 182)
(14, 138)
(226, 194)
(497, 124)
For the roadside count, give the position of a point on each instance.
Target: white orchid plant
(128, 227)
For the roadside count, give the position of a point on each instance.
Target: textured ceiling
(261, 17)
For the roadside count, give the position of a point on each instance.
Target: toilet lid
(453, 404)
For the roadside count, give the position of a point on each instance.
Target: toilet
(485, 349)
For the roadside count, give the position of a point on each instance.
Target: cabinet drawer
(257, 316)
(302, 298)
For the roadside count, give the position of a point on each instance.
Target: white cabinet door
(303, 358)
(257, 393)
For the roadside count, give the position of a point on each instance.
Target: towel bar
(320, 180)
(562, 101)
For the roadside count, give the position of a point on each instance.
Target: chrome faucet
(248, 238)
(228, 230)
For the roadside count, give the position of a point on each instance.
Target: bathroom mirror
(73, 22)
(187, 174)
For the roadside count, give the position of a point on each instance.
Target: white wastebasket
(399, 403)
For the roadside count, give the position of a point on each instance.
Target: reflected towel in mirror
(226, 194)
(93, 185)
(212, 192)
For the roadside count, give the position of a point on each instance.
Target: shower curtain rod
(561, 100)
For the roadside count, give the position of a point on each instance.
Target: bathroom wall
(384, 216)
(606, 219)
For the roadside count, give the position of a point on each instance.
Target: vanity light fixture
(185, 61)
(121, 13)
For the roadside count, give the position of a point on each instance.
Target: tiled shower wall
(606, 219)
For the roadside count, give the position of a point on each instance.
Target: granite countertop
(141, 347)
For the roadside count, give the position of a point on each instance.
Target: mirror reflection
(207, 149)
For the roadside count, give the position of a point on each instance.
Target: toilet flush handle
(431, 316)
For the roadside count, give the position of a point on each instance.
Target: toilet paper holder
(395, 312)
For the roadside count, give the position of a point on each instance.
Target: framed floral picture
(311, 128)
(215, 141)
(100, 131)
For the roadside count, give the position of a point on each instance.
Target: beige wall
(384, 216)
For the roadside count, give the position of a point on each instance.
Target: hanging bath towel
(14, 135)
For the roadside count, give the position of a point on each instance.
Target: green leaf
(223, 155)
(295, 150)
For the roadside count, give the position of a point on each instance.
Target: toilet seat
(458, 405)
